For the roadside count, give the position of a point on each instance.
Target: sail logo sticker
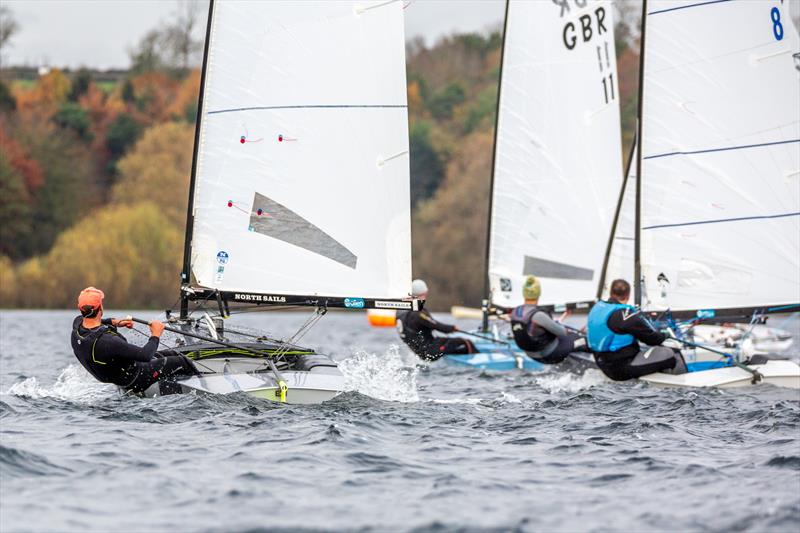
(242, 297)
(222, 257)
(505, 285)
(354, 303)
(392, 305)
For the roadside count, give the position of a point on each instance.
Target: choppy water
(410, 448)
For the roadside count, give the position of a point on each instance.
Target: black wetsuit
(416, 329)
(632, 361)
(108, 356)
(542, 338)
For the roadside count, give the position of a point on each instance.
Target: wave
(19, 463)
(569, 382)
(382, 376)
(72, 384)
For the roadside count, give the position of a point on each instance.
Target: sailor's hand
(156, 328)
(566, 314)
(672, 343)
(124, 323)
(455, 328)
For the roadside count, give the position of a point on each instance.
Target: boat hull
(303, 387)
(494, 356)
(310, 378)
(781, 373)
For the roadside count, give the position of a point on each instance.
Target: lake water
(410, 447)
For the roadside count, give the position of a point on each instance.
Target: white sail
(621, 257)
(558, 155)
(720, 155)
(302, 182)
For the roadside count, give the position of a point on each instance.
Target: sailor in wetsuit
(416, 329)
(535, 331)
(107, 356)
(615, 330)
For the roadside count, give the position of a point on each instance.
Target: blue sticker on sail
(354, 303)
(222, 257)
(706, 313)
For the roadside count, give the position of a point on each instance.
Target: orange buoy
(381, 318)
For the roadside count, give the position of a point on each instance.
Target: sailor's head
(419, 289)
(532, 289)
(620, 290)
(90, 302)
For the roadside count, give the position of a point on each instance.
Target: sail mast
(637, 243)
(612, 234)
(187, 243)
(486, 282)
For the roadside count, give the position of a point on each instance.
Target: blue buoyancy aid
(599, 335)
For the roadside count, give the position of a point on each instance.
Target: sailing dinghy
(746, 338)
(557, 163)
(302, 135)
(716, 190)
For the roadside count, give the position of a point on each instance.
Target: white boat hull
(303, 387)
(781, 373)
(310, 378)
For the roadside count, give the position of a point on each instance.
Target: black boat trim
(321, 301)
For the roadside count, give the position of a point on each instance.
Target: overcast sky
(99, 33)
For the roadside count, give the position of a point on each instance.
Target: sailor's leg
(174, 364)
(458, 345)
(560, 350)
(571, 342)
(680, 364)
(163, 369)
(655, 359)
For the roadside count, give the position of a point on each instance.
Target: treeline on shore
(94, 176)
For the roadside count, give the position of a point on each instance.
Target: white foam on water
(73, 384)
(569, 382)
(505, 397)
(383, 376)
(467, 401)
(509, 398)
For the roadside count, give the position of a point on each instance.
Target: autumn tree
(69, 179)
(80, 84)
(8, 26)
(8, 290)
(51, 90)
(7, 101)
(427, 170)
(173, 46)
(449, 231)
(132, 250)
(71, 116)
(157, 170)
(20, 179)
(122, 133)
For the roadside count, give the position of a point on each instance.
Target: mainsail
(720, 156)
(557, 163)
(302, 179)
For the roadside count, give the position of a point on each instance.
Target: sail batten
(302, 181)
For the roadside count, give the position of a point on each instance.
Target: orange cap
(90, 297)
